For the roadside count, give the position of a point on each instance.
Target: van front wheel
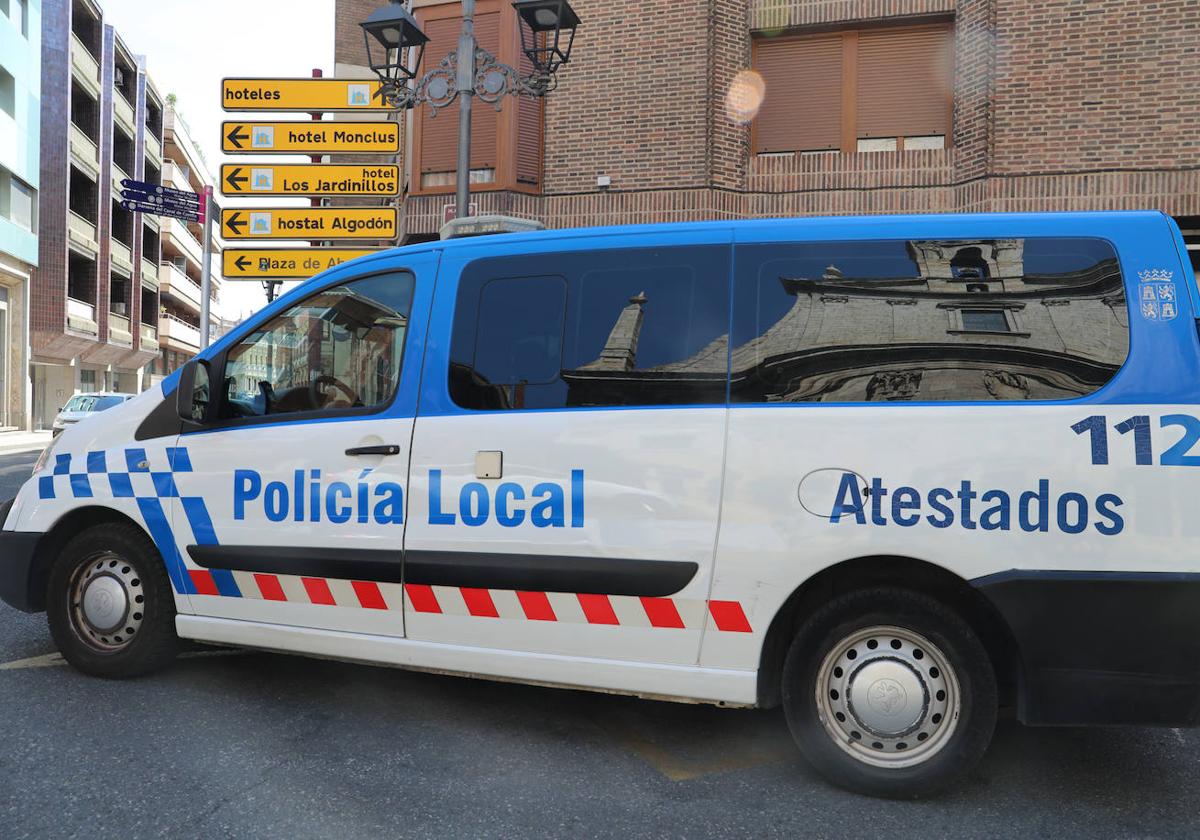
(889, 693)
(109, 603)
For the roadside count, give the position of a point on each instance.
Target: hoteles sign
(310, 138)
(310, 179)
(309, 223)
(301, 95)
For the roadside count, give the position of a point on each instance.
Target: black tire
(124, 553)
(846, 762)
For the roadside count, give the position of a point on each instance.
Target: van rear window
(601, 328)
(927, 320)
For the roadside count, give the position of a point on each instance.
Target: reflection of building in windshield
(944, 320)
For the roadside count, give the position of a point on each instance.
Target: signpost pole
(206, 267)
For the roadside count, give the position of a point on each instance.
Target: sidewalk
(12, 442)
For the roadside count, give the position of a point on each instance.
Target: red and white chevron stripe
(566, 607)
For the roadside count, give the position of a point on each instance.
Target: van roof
(879, 220)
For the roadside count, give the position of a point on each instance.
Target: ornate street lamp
(547, 34)
(393, 30)
(547, 24)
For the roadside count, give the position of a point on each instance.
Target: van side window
(602, 328)
(338, 349)
(937, 320)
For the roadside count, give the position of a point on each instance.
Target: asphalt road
(231, 744)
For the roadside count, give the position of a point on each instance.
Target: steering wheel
(318, 398)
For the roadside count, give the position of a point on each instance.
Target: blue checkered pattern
(130, 476)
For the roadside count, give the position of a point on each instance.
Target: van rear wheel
(889, 693)
(109, 603)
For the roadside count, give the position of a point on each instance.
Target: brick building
(868, 106)
(94, 296)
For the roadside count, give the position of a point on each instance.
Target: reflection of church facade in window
(959, 320)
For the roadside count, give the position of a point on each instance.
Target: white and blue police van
(891, 473)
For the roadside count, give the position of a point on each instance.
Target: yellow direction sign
(382, 179)
(285, 263)
(309, 223)
(311, 138)
(301, 95)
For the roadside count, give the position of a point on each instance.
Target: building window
(880, 89)
(607, 328)
(506, 146)
(87, 380)
(984, 320)
(8, 93)
(18, 201)
(873, 321)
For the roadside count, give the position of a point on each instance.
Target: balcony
(153, 149)
(81, 317)
(149, 273)
(180, 333)
(151, 221)
(173, 175)
(176, 233)
(82, 233)
(174, 283)
(122, 257)
(149, 335)
(84, 153)
(123, 112)
(84, 67)
(118, 329)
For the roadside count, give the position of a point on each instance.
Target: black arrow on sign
(235, 223)
(235, 136)
(242, 263)
(235, 179)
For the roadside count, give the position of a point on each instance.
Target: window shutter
(904, 81)
(802, 108)
(439, 136)
(529, 134)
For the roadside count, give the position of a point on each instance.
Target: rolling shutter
(802, 108)
(904, 81)
(529, 134)
(439, 137)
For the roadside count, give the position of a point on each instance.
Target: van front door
(291, 500)
(568, 453)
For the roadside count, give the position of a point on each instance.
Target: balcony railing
(81, 316)
(118, 329)
(178, 285)
(123, 112)
(121, 254)
(84, 152)
(149, 273)
(175, 329)
(184, 241)
(85, 68)
(82, 232)
(153, 148)
(118, 175)
(149, 334)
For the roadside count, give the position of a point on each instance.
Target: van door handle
(379, 449)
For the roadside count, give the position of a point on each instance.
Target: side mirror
(192, 393)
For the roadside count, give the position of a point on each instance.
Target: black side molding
(528, 572)
(549, 573)
(345, 563)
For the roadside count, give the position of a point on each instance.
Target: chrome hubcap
(888, 697)
(106, 603)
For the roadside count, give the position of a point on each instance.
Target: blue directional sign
(167, 194)
(174, 211)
